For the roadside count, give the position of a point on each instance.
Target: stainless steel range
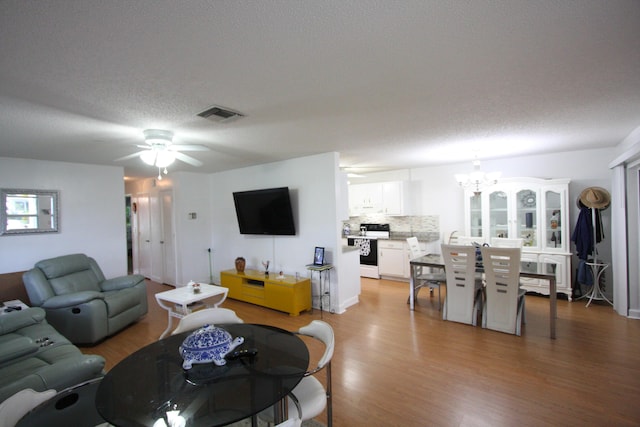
(367, 241)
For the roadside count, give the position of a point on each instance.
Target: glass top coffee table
(180, 301)
(150, 385)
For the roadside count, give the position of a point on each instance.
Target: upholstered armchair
(80, 303)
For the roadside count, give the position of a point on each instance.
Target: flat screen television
(266, 212)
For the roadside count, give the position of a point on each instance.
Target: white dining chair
(504, 308)
(463, 301)
(206, 316)
(424, 278)
(310, 394)
(293, 421)
(469, 240)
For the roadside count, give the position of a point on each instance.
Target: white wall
(193, 194)
(318, 206)
(312, 185)
(92, 214)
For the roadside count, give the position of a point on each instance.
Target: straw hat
(595, 197)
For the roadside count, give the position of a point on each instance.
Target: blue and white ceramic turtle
(208, 344)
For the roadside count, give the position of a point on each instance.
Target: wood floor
(394, 367)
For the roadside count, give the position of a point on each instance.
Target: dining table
(151, 387)
(528, 269)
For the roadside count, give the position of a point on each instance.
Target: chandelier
(477, 180)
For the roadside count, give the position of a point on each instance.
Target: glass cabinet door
(475, 215)
(552, 223)
(526, 219)
(498, 214)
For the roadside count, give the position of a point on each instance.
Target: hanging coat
(583, 234)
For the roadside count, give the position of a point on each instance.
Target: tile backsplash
(398, 224)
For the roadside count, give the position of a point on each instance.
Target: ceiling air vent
(220, 114)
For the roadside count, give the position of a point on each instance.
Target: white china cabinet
(535, 210)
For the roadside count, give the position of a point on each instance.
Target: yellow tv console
(285, 294)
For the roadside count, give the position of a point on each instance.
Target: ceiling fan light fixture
(158, 158)
(149, 157)
(165, 158)
(157, 136)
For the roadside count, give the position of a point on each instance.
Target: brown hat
(595, 197)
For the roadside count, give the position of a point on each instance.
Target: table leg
(169, 317)
(553, 309)
(207, 302)
(169, 324)
(412, 287)
(281, 410)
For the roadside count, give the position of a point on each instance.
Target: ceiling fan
(160, 151)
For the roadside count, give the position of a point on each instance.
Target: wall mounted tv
(266, 212)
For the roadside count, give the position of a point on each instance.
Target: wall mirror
(28, 211)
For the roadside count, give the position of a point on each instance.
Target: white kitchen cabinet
(389, 198)
(393, 258)
(535, 210)
(365, 199)
(395, 198)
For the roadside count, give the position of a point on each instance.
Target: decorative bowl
(207, 344)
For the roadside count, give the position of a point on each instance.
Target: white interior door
(155, 216)
(142, 257)
(167, 241)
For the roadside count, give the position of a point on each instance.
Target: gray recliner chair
(80, 303)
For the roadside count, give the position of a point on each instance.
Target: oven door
(368, 249)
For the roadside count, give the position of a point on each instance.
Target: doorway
(127, 207)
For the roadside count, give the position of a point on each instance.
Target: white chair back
(310, 397)
(206, 316)
(469, 240)
(502, 274)
(414, 248)
(462, 302)
(500, 242)
(322, 331)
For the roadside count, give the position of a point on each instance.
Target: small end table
(177, 301)
(322, 284)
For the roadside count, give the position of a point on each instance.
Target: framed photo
(318, 256)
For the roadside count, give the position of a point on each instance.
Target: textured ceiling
(388, 84)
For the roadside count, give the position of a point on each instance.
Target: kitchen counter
(429, 236)
(402, 235)
(350, 249)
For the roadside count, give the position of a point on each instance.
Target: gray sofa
(80, 303)
(34, 355)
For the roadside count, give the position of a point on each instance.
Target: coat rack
(596, 199)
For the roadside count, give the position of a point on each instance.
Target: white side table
(178, 302)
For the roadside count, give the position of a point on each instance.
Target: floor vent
(220, 114)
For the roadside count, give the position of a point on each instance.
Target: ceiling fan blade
(187, 147)
(188, 159)
(130, 156)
